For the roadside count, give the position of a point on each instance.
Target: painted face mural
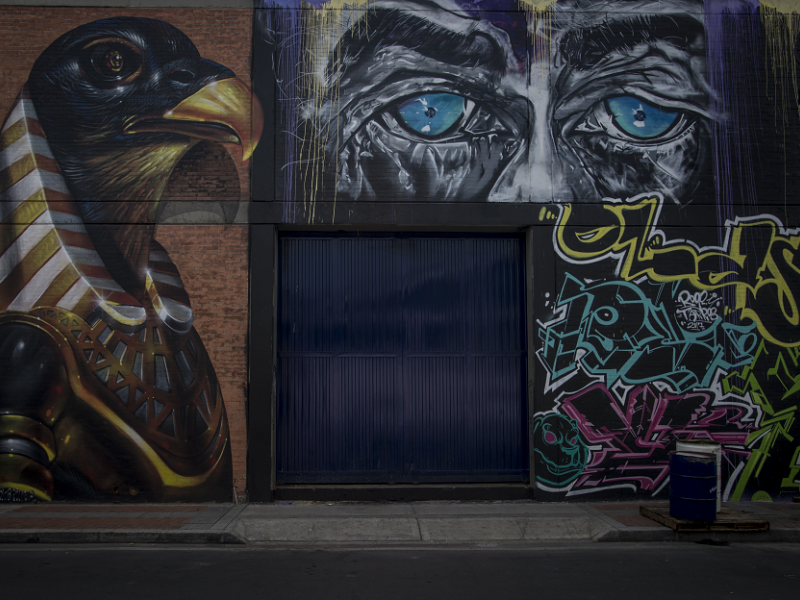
(106, 390)
(499, 102)
(655, 137)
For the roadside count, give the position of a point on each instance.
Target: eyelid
(114, 40)
(102, 46)
(574, 110)
(362, 104)
(685, 91)
(671, 104)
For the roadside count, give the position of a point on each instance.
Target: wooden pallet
(727, 520)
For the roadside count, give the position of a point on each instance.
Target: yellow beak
(225, 111)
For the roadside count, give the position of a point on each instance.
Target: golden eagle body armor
(135, 409)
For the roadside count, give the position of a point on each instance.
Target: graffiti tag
(696, 312)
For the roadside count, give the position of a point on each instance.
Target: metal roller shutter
(401, 359)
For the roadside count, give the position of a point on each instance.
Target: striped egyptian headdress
(143, 412)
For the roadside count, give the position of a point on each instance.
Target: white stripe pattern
(48, 186)
(26, 242)
(39, 283)
(23, 108)
(84, 256)
(23, 147)
(74, 294)
(67, 221)
(104, 284)
(26, 187)
(168, 279)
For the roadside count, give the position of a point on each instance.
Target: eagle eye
(113, 62)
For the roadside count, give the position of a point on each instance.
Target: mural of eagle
(106, 390)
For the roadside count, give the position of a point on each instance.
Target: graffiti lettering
(612, 329)
(765, 276)
(631, 433)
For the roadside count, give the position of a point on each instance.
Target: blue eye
(432, 114)
(640, 119)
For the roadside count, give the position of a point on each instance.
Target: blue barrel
(693, 487)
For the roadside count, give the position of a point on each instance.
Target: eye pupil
(430, 112)
(639, 115)
(114, 61)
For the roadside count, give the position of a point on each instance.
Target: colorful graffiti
(772, 380)
(656, 135)
(106, 390)
(632, 430)
(762, 275)
(615, 333)
(612, 329)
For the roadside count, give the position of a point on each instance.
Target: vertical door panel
(439, 419)
(365, 420)
(305, 413)
(401, 359)
(305, 301)
(501, 425)
(437, 278)
(367, 286)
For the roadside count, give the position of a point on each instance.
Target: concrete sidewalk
(483, 524)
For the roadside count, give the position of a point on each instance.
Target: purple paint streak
(734, 44)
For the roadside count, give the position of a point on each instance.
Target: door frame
(262, 388)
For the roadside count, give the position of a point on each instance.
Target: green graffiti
(778, 421)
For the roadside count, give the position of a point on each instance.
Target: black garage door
(401, 359)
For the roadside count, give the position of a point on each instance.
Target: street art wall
(652, 146)
(106, 389)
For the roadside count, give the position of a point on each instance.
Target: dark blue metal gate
(401, 358)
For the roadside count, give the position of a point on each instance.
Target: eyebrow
(397, 28)
(585, 48)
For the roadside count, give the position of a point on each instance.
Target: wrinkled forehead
(585, 27)
(579, 13)
(513, 22)
(564, 14)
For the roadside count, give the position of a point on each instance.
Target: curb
(232, 537)
(791, 536)
(781, 535)
(104, 536)
(636, 535)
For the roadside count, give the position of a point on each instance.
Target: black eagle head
(121, 101)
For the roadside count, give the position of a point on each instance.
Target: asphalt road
(672, 571)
